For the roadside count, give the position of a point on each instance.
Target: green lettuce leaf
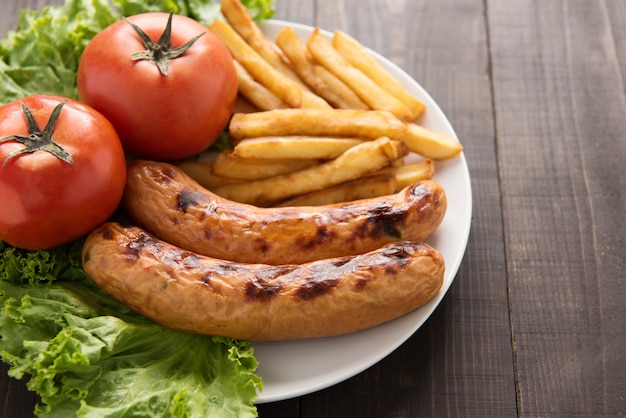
(204, 11)
(133, 7)
(86, 359)
(42, 54)
(36, 267)
(87, 355)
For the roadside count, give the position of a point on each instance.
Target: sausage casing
(163, 200)
(194, 293)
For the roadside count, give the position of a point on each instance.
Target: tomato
(158, 116)
(63, 180)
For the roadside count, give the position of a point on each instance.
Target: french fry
(226, 164)
(239, 19)
(371, 93)
(350, 100)
(408, 174)
(430, 144)
(322, 82)
(397, 163)
(201, 172)
(313, 101)
(413, 173)
(357, 55)
(298, 150)
(290, 92)
(361, 188)
(255, 92)
(354, 163)
(295, 147)
(316, 122)
(401, 151)
(258, 68)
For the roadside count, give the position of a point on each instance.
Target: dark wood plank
(15, 400)
(559, 98)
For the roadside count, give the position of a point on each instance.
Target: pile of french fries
(317, 122)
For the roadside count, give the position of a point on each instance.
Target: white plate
(295, 368)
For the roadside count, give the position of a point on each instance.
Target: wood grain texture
(560, 108)
(15, 400)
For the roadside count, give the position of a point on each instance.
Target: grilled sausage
(167, 203)
(199, 294)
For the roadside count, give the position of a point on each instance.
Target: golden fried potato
(286, 89)
(201, 172)
(317, 122)
(295, 147)
(409, 174)
(347, 98)
(357, 55)
(430, 144)
(320, 81)
(290, 92)
(256, 93)
(229, 165)
(240, 20)
(414, 173)
(354, 163)
(371, 93)
(361, 188)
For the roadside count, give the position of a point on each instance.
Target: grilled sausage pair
(229, 269)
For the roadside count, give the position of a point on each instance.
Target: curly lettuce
(87, 355)
(42, 54)
(204, 11)
(36, 267)
(86, 360)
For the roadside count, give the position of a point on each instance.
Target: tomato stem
(38, 140)
(161, 53)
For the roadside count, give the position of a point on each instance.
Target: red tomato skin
(45, 201)
(160, 117)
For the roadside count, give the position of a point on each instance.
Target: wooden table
(535, 322)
